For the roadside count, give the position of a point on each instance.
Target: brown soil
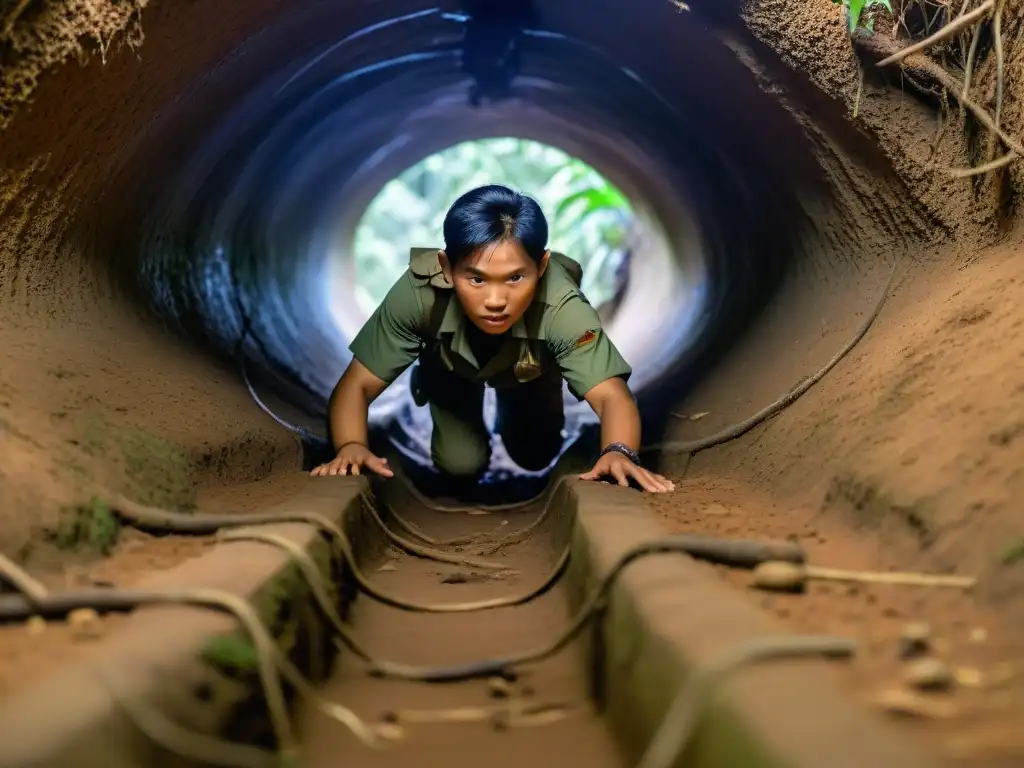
(30, 655)
(907, 457)
(423, 639)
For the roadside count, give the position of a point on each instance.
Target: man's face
(495, 284)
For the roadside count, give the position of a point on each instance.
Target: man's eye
(476, 280)
(515, 278)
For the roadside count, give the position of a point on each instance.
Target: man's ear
(446, 267)
(544, 263)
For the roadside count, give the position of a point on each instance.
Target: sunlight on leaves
(588, 218)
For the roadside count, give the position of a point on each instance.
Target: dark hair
(491, 214)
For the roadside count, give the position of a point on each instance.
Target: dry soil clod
(35, 626)
(915, 640)
(85, 624)
(929, 674)
(498, 687)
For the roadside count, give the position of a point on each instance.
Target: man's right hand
(351, 457)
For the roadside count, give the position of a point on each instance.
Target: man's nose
(495, 300)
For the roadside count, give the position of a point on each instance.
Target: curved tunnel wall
(125, 178)
(237, 225)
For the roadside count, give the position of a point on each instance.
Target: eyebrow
(480, 273)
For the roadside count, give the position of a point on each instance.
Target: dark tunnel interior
(256, 179)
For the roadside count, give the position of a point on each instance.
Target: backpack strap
(426, 271)
(436, 314)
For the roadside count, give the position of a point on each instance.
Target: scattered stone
(897, 701)
(929, 674)
(85, 624)
(499, 688)
(779, 576)
(968, 677)
(387, 567)
(459, 577)
(978, 635)
(915, 640)
(36, 625)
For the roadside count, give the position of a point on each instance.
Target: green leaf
(595, 199)
(853, 13)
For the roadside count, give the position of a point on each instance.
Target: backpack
(423, 264)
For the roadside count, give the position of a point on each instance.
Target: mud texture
(560, 723)
(908, 455)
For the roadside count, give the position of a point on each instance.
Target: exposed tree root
(772, 409)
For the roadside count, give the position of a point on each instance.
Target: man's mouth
(495, 319)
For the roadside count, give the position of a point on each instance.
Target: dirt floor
(907, 457)
(564, 728)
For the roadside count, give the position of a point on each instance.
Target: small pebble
(968, 677)
(499, 687)
(978, 635)
(85, 624)
(928, 674)
(455, 578)
(779, 576)
(36, 625)
(387, 567)
(915, 640)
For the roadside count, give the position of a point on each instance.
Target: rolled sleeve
(585, 354)
(390, 340)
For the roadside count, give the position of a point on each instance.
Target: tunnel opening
(589, 219)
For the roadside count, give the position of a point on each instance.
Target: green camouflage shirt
(560, 330)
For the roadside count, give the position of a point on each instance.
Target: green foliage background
(587, 216)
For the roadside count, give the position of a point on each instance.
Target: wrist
(623, 449)
(347, 443)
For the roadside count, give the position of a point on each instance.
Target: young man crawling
(494, 307)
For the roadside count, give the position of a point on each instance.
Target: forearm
(349, 406)
(620, 419)
(348, 415)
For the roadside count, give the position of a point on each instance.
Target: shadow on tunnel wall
(227, 192)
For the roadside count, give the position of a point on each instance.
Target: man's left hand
(622, 469)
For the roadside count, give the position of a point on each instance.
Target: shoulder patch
(585, 339)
